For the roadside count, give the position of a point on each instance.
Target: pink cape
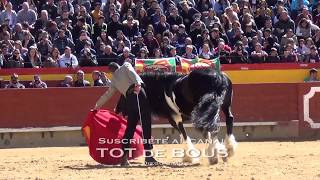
(104, 131)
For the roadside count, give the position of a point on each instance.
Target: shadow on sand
(133, 165)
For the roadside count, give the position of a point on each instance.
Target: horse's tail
(205, 115)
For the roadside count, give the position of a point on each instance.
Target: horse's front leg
(191, 154)
(215, 148)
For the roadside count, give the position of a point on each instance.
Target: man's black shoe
(150, 161)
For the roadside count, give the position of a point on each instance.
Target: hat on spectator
(313, 70)
(215, 30)
(267, 30)
(274, 49)
(139, 35)
(182, 26)
(170, 47)
(144, 49)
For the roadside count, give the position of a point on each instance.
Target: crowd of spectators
(98, 79)
(72, 33)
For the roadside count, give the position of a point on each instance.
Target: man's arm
(105, 97)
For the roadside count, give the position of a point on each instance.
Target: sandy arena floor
(254, 160)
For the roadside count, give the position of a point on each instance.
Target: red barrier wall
(69, 106)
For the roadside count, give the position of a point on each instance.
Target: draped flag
(104, 131)
(163, 65)
(191, 64)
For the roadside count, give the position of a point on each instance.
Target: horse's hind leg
(230, 141)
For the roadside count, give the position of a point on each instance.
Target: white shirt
(65, 61)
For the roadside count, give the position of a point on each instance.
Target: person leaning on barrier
(313, 76)
(14, 82)
(37, 82)
(81, 82)
(96, 77)
(67, 82)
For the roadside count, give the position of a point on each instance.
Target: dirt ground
(253, 160)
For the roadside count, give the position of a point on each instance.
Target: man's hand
(137, 89)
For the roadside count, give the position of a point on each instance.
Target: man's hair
(113, 66)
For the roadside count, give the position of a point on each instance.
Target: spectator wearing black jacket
(107, 56)
(114, 25)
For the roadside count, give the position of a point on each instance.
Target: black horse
(198, 97)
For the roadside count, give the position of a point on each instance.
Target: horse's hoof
(213, 160)
(230, 152)
(188, 159)
(224, 159)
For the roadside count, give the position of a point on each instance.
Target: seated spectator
(107, 56)
(26, 14)
(67, 82)
(288, 55)
(15, 61)
(289, 34)
(305, 28)
(28, 40)
(105, 80)
(130, 28)
(32, 58)
(284, 23)
(138, 45)
(7, 40)
(121, 37)
(157, 53)
(274, 56)
(104, 38)
(51, 8)
(205, 52)
(223, 51)
(98, 28)
(87, 58)
(53, 59)
(88, 45)
(188, 54)
(313, 76)
(68, 59)
(96, 13)
(84, 41)
(44, 46)
(2, 84)
(258, 55)
(143, 53)
(302, 50)
(62, 41)
(126, 56)
(81, 82)
(313, 57)
(96, 77)
(151, 42)
(14, 82)
(37, 83)
(239, 54)
(114, 25)
(175, 19)
(18, 45)
(9, 14)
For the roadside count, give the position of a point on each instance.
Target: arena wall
(281, 103)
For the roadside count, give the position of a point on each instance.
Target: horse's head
(205, 115)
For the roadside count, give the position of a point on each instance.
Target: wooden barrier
(51, 107)
(239, 73)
